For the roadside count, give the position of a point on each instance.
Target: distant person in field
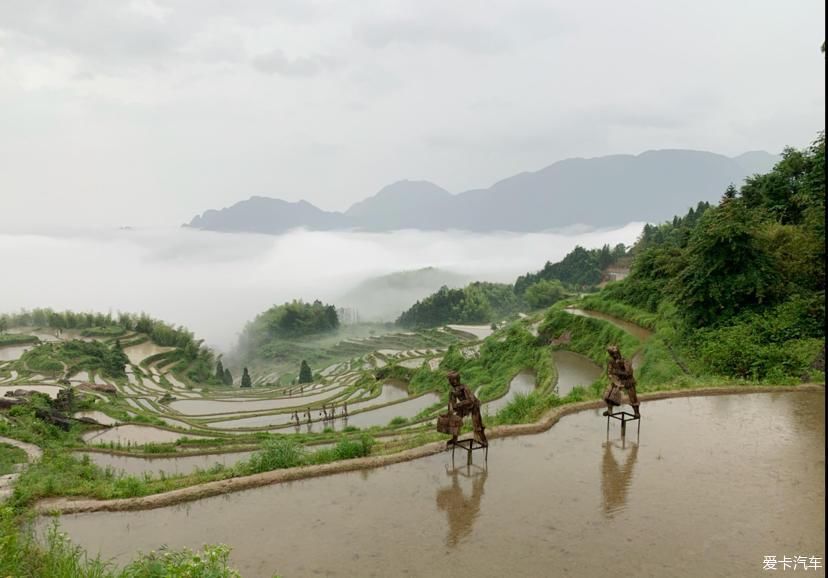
(621, 380)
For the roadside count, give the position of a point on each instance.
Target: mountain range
(598, 192)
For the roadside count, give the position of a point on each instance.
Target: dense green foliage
(746, 278)
(581, 268)
(16, 339)
(544, 293)
(107, 331)
(476, 303)
(75, 355)
(288, 321)
(481, 302)
(245, 379)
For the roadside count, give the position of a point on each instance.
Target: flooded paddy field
(523, 383)
(640, 333)
(678, 501)
(138, 353)
(133, 434)
(50, 390)
(13, 352)
(380, 416)
(209, 406)
(138, 466)
(574, 369)
(98, 416)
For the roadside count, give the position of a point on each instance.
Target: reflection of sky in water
(733, 489)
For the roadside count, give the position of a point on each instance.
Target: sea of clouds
(213, 283)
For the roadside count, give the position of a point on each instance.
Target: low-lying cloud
(213, 283)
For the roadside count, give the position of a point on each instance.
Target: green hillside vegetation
(581, 269)
(192, 359)
(740, 287)
(289, 321)
(102, 325)
(75, 355)
(479, 302)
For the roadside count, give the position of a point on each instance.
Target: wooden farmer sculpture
(620, 374)
(462, 402)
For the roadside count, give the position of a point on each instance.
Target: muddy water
(574, 369)
(479, 331)
(640, 333)
(523, 382)
(12, 352)
(208, 406)
(391, 391)
(138, 466)
(174, 381)
(413, 363)
(50, 390)
(137, 353)
(134, 434)
(98, 416)
(380, 416)
(714, 485)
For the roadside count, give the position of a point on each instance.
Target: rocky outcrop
(102, 387)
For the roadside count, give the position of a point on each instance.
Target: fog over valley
(213, 283)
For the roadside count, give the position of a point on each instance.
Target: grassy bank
(22, 555)
(16, 339)
(10, 456)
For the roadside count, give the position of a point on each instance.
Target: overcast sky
(148, 111)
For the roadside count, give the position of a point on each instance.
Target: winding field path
(32, 452)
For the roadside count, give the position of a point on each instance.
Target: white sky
(148, 112)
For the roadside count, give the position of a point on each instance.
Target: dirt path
(71, 506)
(32, 452)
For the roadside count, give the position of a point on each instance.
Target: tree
(727, 269)
(730, 192)
(228, 377)
(544, 293)
(220, 371)
(4, 325)
(245, 380)
(305, 374)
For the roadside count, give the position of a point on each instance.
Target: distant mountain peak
(598, 192)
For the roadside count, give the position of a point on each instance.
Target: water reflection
(461, 511)
(615, 478)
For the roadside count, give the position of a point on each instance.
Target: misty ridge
(214, 283)
(606, 191)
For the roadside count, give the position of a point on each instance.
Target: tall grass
(55, 556)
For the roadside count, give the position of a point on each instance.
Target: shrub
(276, 454)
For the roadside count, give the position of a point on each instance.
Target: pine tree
(730, 192)
(305, 374)
(245, 380)
(220, 371)
(228, 377)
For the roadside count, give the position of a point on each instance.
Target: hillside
(384, 298)
(599, 192)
